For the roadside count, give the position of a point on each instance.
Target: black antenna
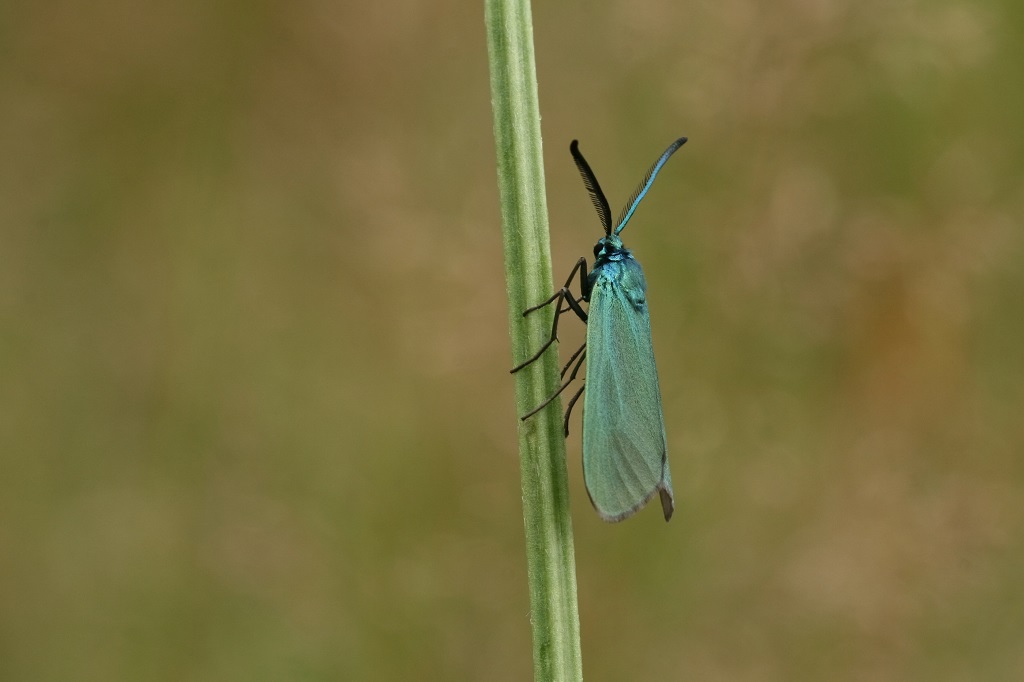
(596, 195)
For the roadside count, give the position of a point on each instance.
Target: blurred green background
(255, 415)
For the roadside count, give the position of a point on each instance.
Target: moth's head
(607, 248)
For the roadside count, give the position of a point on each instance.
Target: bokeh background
(255, 415)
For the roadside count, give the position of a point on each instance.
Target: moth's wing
(624, 449)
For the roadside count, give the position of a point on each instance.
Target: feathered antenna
(645, 185)
(596, 195)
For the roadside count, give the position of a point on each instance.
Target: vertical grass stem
(549, 544)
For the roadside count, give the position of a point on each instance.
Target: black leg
(568, 410)
(567, 308)
(575, 306)
(561, 295)
(558, 294)
(574, 355)
(581, 267)
(579, 363)
(547, 401)
(572, 377)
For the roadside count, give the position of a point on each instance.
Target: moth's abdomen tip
(668, 505)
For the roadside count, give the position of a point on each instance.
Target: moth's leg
(582, 355)
(547, 401)
(568, 410)
(561, 295)
(574, 305)
(581, 264)
(544, 304)
(566, 309)
(579, 363)
(581, 267)
(574, 355)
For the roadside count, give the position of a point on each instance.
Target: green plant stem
(549, 545)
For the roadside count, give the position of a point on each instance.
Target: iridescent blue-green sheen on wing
(624, 448)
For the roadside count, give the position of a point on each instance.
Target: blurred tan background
(255, 416)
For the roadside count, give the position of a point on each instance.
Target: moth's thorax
(615, 268)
